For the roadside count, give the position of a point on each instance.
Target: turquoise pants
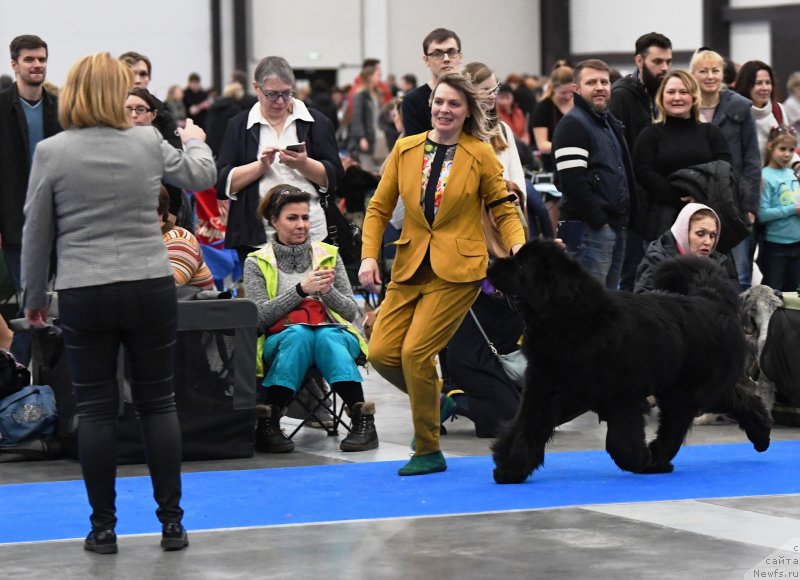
(289, 354)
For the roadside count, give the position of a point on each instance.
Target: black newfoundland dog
(609, 351)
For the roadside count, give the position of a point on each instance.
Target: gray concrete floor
(709, 539)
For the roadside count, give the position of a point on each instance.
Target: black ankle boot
(101, 542)
(362, 434)
(174, 537)
(269, 436)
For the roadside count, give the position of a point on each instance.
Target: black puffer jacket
(716, 185)
(665, 248)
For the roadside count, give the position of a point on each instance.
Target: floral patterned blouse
(436, 167)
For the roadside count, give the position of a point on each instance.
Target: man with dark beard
(632, 103)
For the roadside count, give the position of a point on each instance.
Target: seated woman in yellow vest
(305, 306)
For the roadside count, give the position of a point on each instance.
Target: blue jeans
(602, 252)
(780, 265)
(289, 354)
(741, 259)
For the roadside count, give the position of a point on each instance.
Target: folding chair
(316, 400)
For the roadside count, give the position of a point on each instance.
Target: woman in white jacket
(502, 142)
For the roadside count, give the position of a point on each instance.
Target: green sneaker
(424, 464)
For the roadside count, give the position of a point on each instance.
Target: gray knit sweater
(294, 262)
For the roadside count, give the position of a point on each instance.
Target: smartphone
(296, 147)
(570, 232)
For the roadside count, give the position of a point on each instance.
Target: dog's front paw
(508, 475)
(760, 444)
(658, 467)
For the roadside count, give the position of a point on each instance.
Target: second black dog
(611, 350)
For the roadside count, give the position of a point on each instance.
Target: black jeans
(142, 317)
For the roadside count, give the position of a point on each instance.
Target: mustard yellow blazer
(458, 250)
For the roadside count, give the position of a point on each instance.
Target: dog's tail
(697, 276)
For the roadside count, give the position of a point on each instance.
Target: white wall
(344, 32)
(307, 33)
(614, 25)
(175, 35)
(503, 34)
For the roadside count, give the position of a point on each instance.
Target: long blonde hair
(478, 73)
(94, 94)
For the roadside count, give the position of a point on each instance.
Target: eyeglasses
(493, 91)
(273, 96)
(138, 110)
(439, 54)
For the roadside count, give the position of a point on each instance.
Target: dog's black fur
(611, 350)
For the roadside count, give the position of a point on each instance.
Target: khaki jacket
(457, 248)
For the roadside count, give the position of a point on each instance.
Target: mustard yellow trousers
(417, 319)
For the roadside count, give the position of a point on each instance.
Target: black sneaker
(174, 537)
(103, 542)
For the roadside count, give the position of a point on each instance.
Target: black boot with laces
(362, 434)
(270, 438)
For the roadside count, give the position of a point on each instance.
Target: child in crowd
(779, 211)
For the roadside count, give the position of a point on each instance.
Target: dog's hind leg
(675, 418)
(625, 441)
(749, 411)
(519, 449)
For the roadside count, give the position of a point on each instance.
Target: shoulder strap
(485, 337)
(776, 111)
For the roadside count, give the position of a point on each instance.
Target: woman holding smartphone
(262, 148)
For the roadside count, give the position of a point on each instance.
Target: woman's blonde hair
(558, 78)
(690, 84)
(703, 56)
(95, 92)
(478, 73)
(476, 123)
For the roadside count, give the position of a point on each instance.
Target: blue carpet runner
(298, 495)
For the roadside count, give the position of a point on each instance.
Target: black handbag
(342, 232)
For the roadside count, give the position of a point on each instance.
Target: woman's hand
(318, 281)
(267, 158)
(368, 274)
(191, 131)
(296, 160)
(36, 317)
(363, 144)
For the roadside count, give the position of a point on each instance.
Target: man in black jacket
(142, 69)
(632, 102)
(441, 52)
(28, 114)
(594, 175)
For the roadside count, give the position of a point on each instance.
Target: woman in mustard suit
(444, 178)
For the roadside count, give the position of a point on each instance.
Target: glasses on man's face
(440, 54)
(138, 110)
(273, 96)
